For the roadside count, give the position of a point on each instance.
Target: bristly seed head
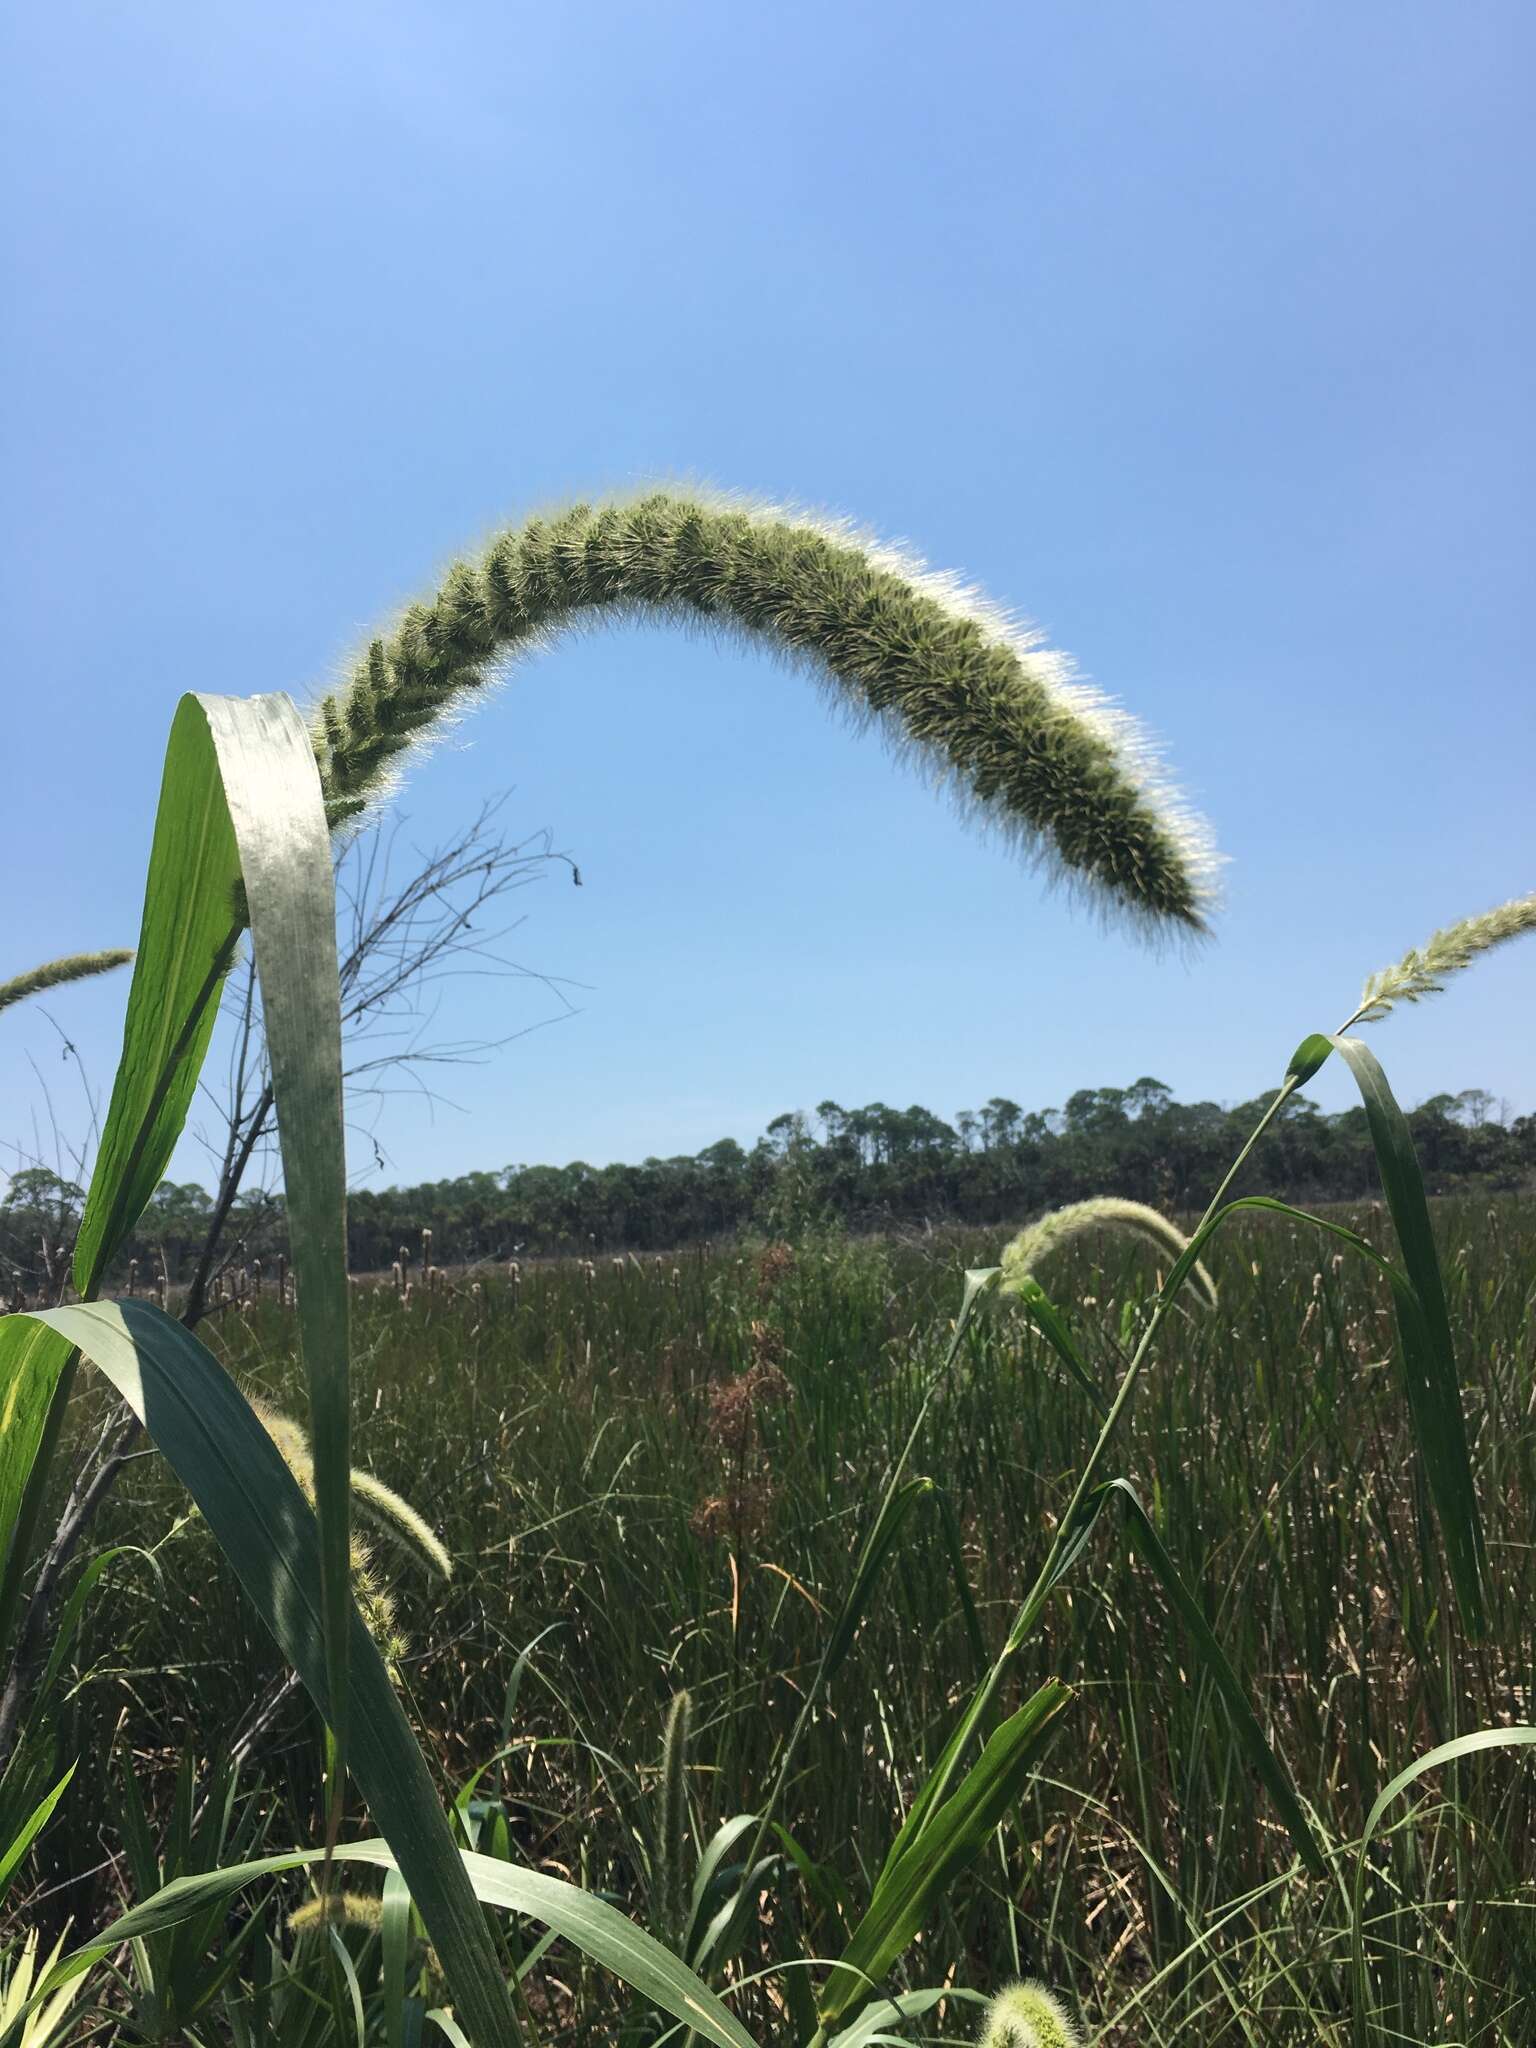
(1028, 2016)
(1003, 722)
(73, 967)
(1052, 1232)
(1422, 971)
(337, 1909)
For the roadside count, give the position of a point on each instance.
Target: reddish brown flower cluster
(775, 1263)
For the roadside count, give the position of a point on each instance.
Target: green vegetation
(651, 1478)
(837, 1533)
(870, 1169)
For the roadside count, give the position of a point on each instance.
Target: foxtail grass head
(1028, 2016)
(1423, 970)
(360, 1910)
(395, 1518)
(73, 967)
(1003, 722)
(390, 1515)
(1052, 1233)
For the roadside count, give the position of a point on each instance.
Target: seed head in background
(1071, 780)
(73, 967)
(1051, 1233)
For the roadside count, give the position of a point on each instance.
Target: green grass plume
(950, 678)
(1422, 971)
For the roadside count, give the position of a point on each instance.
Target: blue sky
(1200, 334)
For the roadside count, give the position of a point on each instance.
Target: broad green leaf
(272, 788)
(712, 1865)
(1244, 1722)
(191, 927)
(599, 1930)
(204, 1427)
(36, 1368)
(1444, 1753)
(1434, 1385)
(448, 2026)
(954, 1834)
(187, 940)
(1312, 1053)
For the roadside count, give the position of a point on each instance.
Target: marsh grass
(558, 1432)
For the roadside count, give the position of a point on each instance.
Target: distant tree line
(867, 1169)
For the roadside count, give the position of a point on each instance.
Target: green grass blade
(872, 2024)
(1250, 1735)
(394, 1940)
(878, 1545)
(954, 1544)
(952, 1837)
(1434, 1384)
(1429, 1363)
(1047, 1318)
(36, 1367)
(589, 1923)
(205, 1429)
(1444, 1753)
(272, 788)
(187, 939)
(31, 1828)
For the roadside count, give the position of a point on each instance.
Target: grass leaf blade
(1245, 1724)
(589, 1923)
(207, 1432)
(1434, 1385)
(187, 940)
(953, 1835)
(1443, 1753)
(36, 1368)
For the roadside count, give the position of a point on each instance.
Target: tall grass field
(652, 1477)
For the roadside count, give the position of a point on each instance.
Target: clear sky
(1200, 333)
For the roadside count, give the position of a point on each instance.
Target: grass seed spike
(1067, 776)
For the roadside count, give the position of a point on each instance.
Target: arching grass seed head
(951, 679)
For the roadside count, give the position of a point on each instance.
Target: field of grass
(655, 1476)
(787, 1660)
